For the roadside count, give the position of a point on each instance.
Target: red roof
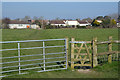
(57, 22)
(18, 22)
(82, 22)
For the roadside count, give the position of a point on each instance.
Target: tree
(107, 17)
(88, 19)
(18, 19)
(42, 22)
(119, 18)
(26, 18)
(113, 23)
(35, 18)
(57, 18)
(37, 22)
(78, 19)
(6, 21)
(95, 23)
(106, 23)
(100, 18)
(114, 16)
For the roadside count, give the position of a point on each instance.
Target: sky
(63, 10)
(59, 0)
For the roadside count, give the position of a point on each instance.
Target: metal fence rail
(30, 66)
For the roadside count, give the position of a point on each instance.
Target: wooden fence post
(72, 54)
(94, 59)
(110, 49)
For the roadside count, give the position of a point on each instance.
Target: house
(57, 23)
(118, 24)
(100, 21)
(84, 23)
(34, 26)
(13, 24)
(72, 23)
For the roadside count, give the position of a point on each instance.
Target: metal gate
(33, 55)
(80, 53)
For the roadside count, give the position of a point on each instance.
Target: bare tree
(35, 18)
(41, 18)
(88, 19)
(26, 18)
(57, 18)
(114, 16)
(6, 21)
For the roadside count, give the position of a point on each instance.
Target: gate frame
(19, 56)
(94, 61)
(95, 54)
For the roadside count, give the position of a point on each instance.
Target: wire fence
(105, 48)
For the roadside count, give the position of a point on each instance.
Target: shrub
(81, 26)
(49, 27)
(89, 27)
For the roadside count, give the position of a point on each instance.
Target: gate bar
(30, 41)
(66, 51)
(44, 54)
(80, 42)
(33, 55)
(19, 56)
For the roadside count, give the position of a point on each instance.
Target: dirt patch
(84, 71)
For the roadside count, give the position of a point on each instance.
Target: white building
(21, 25)
(100, 21)
(57, 23)
(118, 24)
(18, 26)
(71, 22)
(84, 23)
(34, 26)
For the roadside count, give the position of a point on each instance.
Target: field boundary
(44, 66)
(94, 54)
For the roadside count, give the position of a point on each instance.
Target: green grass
(79, 34)
(103, 71)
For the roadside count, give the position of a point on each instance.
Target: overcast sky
(64, 10)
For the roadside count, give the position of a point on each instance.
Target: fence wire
(104, 48)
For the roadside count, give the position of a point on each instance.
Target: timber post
(72, 54)
(110, 49)
(94, 60)
(67, 45)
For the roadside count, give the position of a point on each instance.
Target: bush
(49, 27)
(89, 27)
(81, 26)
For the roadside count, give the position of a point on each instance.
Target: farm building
(71, 23)
(118, 24)
(57, 23)
(84, 23)
(21, 25)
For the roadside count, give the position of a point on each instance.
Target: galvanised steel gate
(33, 55)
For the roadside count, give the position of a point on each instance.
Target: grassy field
(79, 34)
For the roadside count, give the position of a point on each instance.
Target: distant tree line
(107, 22)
